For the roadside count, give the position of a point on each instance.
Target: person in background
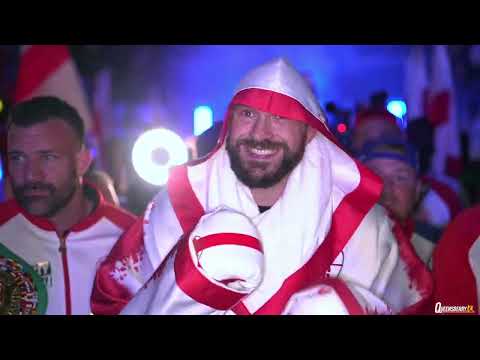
(439, 203)
(206, 142)
(104, 183)
(6, 190)
(56, 222)
(373, 124)
(396, 162)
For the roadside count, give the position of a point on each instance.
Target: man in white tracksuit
(56, 224)
(277, 219)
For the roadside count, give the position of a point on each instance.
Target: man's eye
(247, 113)
(49, 157)
(16, 157)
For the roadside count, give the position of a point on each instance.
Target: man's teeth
(262, 151)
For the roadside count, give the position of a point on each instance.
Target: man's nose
(262, 128)
(33, 171)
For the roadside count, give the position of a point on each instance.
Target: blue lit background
(208, 74)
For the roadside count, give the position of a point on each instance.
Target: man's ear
(84, 159)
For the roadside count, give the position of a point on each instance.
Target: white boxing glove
(226, 247)
(335, 297)
(318, 300)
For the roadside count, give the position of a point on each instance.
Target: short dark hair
(43, 108)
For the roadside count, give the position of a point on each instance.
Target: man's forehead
(52, 133)
(239, 107)
(389, 164)
(53, 126)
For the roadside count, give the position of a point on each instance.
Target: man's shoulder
(377, 215)
(423, 245)
(161, 212)
(120, 217)
(469, 216)
(375, 228)
(8, 210)
(160, 204)
(374, 222)
(464, 229)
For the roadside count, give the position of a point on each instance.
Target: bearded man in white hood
(277, 219)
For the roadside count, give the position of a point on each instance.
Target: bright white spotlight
(202, 119)
(397, 108)
(155, 152)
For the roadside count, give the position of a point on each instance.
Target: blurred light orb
(342, 128)
(397, 108)
(155, 152)
(202, 119)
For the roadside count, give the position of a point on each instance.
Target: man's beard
(290, 160)
(52, 204)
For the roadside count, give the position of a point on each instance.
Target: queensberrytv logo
(444, 309)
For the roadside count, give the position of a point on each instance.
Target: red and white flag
(433, 97)
(416, 83)
(456, 266)
(49, 70)
(441, 111)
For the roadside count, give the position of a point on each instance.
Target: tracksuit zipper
(66, 277)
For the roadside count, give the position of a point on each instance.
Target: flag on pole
(416, 84)
(441, 111)
(432, 97)
(49, 70)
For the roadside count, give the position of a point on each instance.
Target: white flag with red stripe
(416, 83)
(433, 97)
(49, 70)
(446, 161)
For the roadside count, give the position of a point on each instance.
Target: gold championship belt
(22, 290)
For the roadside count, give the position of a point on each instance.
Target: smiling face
(264, 148)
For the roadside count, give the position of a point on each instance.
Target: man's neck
(268, 197)
(79, 207)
